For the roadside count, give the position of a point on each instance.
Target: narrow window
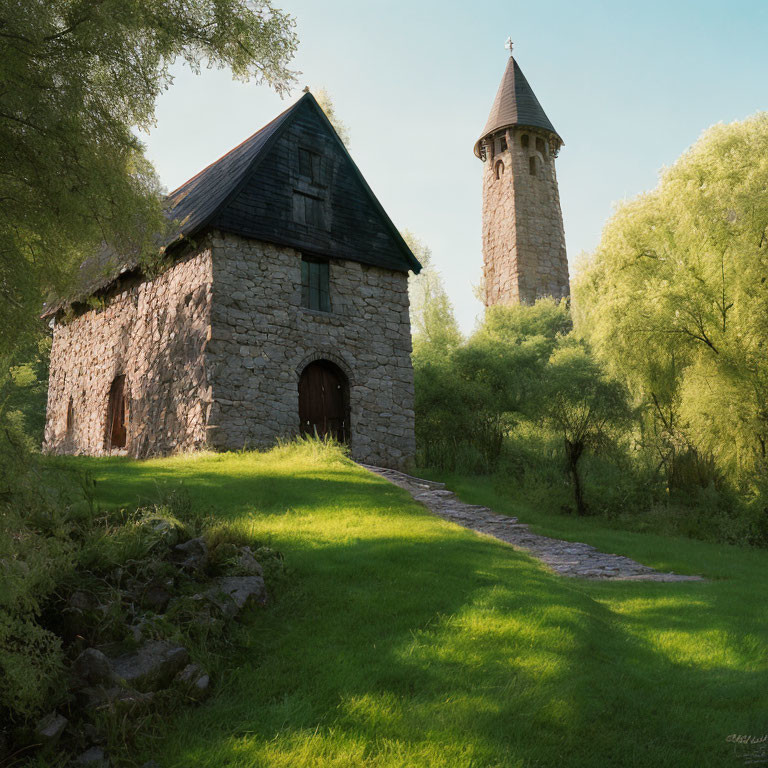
(308, 210)
(499, 169)
(540, 146)
(70, 417)
(533, 163)
(116, 426)
(315, 284)
(524, 140)
(503, 144)
(309, 165)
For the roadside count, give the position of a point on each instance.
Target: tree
(577, 399)
(78, 76)
(433, 324)
(674, 302)
(323, 98)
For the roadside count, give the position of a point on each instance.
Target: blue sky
(628, 85)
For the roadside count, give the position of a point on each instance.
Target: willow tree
(78, 78)
(675, 301)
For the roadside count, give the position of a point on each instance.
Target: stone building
(523, 239)
(283, 310)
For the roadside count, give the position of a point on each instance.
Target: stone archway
(324, 401)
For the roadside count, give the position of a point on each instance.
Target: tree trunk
(573, 451)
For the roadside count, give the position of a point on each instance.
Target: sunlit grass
(403, 640)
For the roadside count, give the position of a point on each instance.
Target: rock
(247, 563)
(94, 757)
(80, 602)
(192, 555)
(152, 667)
(196, 680)
(49, 729)
(232, 594)
(157, 595)
(93, 667)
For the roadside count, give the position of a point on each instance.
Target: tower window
(524, 140)
(540, 146)
(499, 169)
(315, 284)
(533, 165)
(503, 144)
(309, 165)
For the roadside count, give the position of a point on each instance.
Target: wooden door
(323, 401)
(116, 431)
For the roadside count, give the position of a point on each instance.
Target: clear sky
(628, 85)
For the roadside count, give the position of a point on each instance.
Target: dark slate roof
(195, 205)
(515, 104)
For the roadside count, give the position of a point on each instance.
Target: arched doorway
(324, 401)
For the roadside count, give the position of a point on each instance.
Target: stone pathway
(567, 558)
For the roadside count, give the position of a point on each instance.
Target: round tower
(523, 238)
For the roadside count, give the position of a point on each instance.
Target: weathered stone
(95, 757)
(93, 667)
(232, 594)
(192, 555)
(195, 680)
(184, 392)
(152, 667)
(247, 563)
(49, 729)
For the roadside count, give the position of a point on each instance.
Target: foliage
(674, 302)
(433, 325)
(78, 78)
(325, 101)
(390, 613)
(582, 404)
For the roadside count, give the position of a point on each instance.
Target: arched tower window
(116, 422)
(499, 169)
(525, 140)
(541, 146)
(533, 165)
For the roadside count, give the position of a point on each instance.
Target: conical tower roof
(515, 104)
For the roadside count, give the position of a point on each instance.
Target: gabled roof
(198, 203)
(515, 104)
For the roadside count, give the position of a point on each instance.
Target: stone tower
(523, 239)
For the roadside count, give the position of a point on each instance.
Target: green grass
(403, 640)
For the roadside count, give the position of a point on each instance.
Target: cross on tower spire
(508, 45)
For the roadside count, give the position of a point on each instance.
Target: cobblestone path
(564, 557)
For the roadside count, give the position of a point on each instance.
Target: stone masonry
(262, 338)
(213, 348)
(153, 332)
(523, 238)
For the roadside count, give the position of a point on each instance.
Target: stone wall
(154, 332)
(523, 238)
(262, 338)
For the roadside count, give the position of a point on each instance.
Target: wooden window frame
(309, 165)
(315, 284)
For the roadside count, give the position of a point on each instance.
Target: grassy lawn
(403, 640)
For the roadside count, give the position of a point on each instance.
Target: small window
(70, 417)
(116, 423)
(499, 168)
(533, 165)
(524, 140)
(308, 210)
(315, 284)
(540, 146)
(309, 165)
(502, 144)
